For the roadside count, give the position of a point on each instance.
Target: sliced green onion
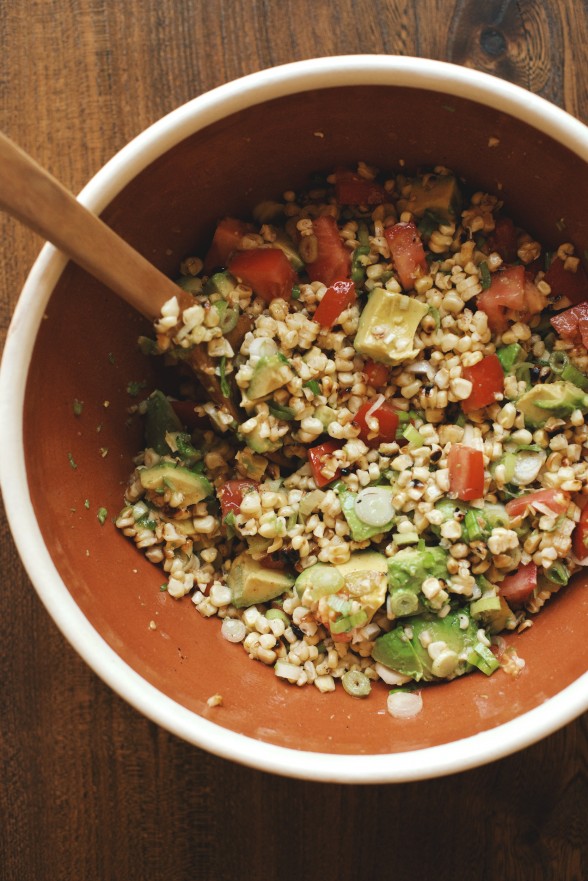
(314, 386)
(224, 385)
(401, 539)
(509, 463)
(573, 375)
(363, 235)
(485, 277)
(280, 411)
(413, 436)
(277, 614)
(403, 602)
(434, 313)
(482, 658)
(558, 574)
(357, 267)
(509, 356)
(522, 372)
(558, 361)
(356, 683)
(296, 292)
(102, 515)
(475, 530)
(228, 315)
(339, 604)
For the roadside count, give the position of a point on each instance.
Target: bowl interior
(86, 351)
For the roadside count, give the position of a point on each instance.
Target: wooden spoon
(36, 198)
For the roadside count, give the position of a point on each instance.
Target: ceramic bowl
(72, 339)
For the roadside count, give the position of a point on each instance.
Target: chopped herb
(434, 313)
(485, 277)
(87, 504)
(78, 407)
(71, 461)
(134, 387)
(163, 587)
(225, 389)
(281, 412)
(296, 292)
(102, 515)
(314, 386)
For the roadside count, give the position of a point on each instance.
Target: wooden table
(90, 790)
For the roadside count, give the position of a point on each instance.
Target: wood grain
(91, 790)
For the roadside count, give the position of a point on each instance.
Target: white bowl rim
(275, 82)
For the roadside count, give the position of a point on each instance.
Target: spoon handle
(33, 196)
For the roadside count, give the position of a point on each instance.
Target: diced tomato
(580, 537)
(506, 291)
(267, 270)
(351, 189)
(226, 239)
(376, 374)
(555, 499)
(504, 239)
(317, 456)
(388, 421)
(466, 472)
(333, 262)
(565, 283)
(487, 379)
(572, 324)
(231, 494)
(338, 297)
(516, 589)
(407, 252)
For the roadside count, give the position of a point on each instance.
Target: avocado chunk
(407, 570)
(285, 244)
(160, 419)
(437, 195)
(166, 475)
(271, 372)
(252, 583)
(558, 399)
(457, 648)
(387, 326)
(325, 414)
(222, 283)
(492, 612)
(365, 575)
(360, 531)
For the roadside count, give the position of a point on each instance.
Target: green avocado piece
(325, 414)
(387, 326)
(360, 531)
(401, 649)
(558, 399)
(408, 568)
(160, 419)
(166, 475)
(366, 580)
(261, 444)
(285, 244)
(222, 283)
(438, 195)
(492, 612)
(271, 372)
(251, 583)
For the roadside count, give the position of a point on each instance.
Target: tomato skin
(333, 262)
(387, 417)
(517, 588)
(466, 472)
(338, 297)
(572, 324)
(226, 239)
(487, 378)
(557, 500)
(267, 270)
(316, 457)
(408, 254)
(564, 283)
(580, 537)
(376, 374)
(504, 239)
(231, 495)
(351, 189)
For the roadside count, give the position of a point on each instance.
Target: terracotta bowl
(72, 339)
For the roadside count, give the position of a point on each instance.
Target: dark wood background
(90, 790)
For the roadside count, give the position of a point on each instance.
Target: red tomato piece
(572, 324)
(317, 457)
(376, 374)
(487, 379)
(517, 588)
(387, 419)
(231, 494)
(267, 270)
(565, 283)
(333, 262)
(227, 237)
(556, 500)
(504, 239)
(580, 537)
(408, 254)
(351, 189)
(338, 297)
(466, 472)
